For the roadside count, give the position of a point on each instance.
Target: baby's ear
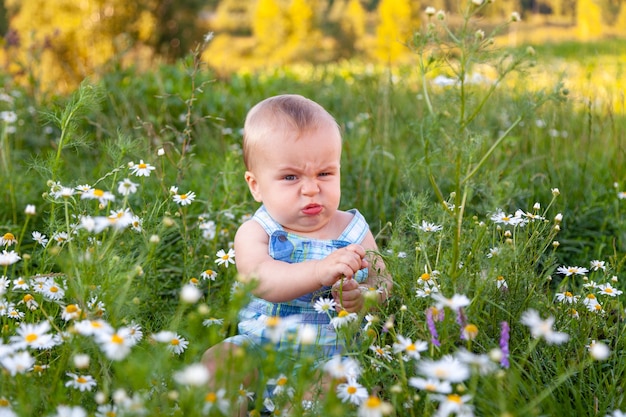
(253, 185)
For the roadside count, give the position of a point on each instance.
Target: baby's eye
(290, 177)
(324, 174)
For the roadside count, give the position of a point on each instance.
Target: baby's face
(298, 180)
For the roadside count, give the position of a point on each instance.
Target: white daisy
(352, 392)
(184, 199)
(225, 258)
(142, 169)
(80, 382)
(543, 328)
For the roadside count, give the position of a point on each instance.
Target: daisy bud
(495, 355)
(155, 239)
(190, 294)
(555, 192)
(161, 152)
(168, 222)
(507, 233)
(555, 243)
(614, 278)
(557, 228)
(81, 361)
(599, 351)
(537, 206)
(100, 397)
(30, 210)
(530, 51)
(515, 17)
(477, 2)
(558, 218)
(441, 15)
(479, 35)
(615, 185)
(404, 308)
(131, 164)
(430, 11)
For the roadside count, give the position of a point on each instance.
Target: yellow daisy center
(210, 397)
(351, 390)
(143, 166)
(98, 193)
(9, 236)
(175, 342)
(117, 339)
(373, 402)
(455, 398)
(81, 380)
(30, 338)
(425, 276)
(28, 298)
(343, 313)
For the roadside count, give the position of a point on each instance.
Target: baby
(298, 245)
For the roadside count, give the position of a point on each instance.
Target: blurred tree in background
(53, 45)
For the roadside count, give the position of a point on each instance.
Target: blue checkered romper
(292, 248)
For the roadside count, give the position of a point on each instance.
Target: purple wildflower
(431, 326)
(504, 344)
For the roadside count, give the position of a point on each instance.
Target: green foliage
(440, 171)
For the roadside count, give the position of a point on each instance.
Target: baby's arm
(282, 281)
(378, 278)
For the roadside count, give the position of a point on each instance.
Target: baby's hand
(344, 262)
(348, 296)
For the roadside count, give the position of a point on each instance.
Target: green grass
(413, 152)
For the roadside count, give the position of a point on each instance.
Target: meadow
(492, 177)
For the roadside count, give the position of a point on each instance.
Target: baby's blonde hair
(283, 114)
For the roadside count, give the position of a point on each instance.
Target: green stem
(490, 151)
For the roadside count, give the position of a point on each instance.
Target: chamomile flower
(216, 401)
(429, 227)
(571, 270)
(212, 321)
(70, 411)
(373, 406)
(18, 284)
(92, 327)
(52, 290)
(208, 274)
(17, 363)
(343, 318)
(501, 283)
(142, 169)
(352, 392)
(61, 237)
(566, 297)
(382, 352)
(592, 304)
(456, 302)
(540, 328)
(196, 375)
(9, 258)
(408, 348)
(34, 336)
(339, 367)
(607, 289)
(184, 199)
(116, 344)
(453, 404)
(324, 305)
(597, 265)
(598, 350)
(244, 396)
(103, 197)
(8, 239)
(126, 187)
(500, 217)
(80, 382)
(175, 343)
(447, 368)
(225, 258)
(280, 385)
(494, 252)
(40, 238)
(432, 385)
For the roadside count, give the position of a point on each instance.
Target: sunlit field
(492, 177)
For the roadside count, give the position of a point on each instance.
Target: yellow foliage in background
(588, 19)
(398, 20)
(65, 41)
